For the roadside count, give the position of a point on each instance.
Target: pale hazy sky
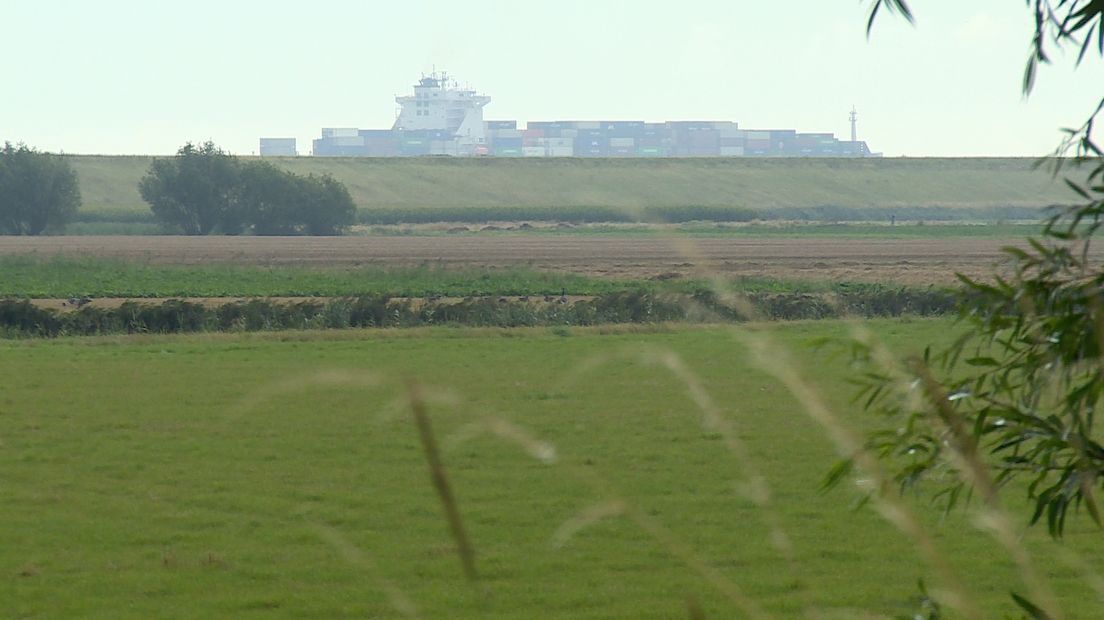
(144, 76)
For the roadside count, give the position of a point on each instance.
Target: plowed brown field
(912, 261)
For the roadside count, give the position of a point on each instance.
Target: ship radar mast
(436, 79)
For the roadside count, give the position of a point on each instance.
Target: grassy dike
(281, 475)
(785, 187)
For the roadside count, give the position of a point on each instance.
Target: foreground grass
(280, 475)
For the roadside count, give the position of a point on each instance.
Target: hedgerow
(22, 318)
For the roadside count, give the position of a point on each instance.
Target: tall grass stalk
(441, 482)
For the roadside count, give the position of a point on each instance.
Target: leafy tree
(269, 198)
(195, 190)
(204, 190)
(277, 202)
(38, 191)
(327, 206)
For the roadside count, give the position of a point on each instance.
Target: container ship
(441, 118)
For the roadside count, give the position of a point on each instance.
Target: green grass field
(28, 277)
(109, 183)
(31, 277)
(281, 476)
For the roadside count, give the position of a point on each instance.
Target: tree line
(201, 190)
(204, 190)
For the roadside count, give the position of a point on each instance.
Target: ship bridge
(440, 104)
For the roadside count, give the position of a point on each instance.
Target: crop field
(109, 184)
(283, 475)
(35, 278)
(914, 261)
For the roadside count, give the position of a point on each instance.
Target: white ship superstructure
(440, 104)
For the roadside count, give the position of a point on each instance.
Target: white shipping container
(723, 125)
(340, 132)
(561, 151)
(588, 125)
(732, 151)
(622, 142)
(278, 142)
(278, 147)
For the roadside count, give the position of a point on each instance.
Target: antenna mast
(854, 125)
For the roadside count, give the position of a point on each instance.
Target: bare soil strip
(905, 261)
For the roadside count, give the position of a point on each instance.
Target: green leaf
(837, 473)
(1033, 610)
(1029, 75)
(1077, 188)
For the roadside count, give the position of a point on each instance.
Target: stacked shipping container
(595, 139)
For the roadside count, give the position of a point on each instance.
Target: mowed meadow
(282, 475)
